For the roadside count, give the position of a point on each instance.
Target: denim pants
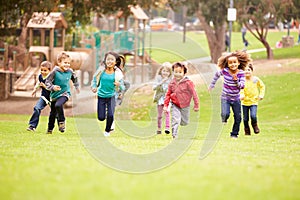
(39, 106)
(106, 109)
(57, 110)
(237, 114)
(253, 114)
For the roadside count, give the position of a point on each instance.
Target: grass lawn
(196, 46)
(58, 166)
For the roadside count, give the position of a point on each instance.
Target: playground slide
(27, 80)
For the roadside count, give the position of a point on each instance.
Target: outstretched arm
(49, 81)
(195, 96)
(215, 79)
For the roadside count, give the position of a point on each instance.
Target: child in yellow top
(253, 92)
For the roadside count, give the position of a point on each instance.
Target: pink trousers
(159, 117)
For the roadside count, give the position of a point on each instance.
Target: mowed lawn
(262, 166)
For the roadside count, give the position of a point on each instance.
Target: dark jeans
(57, 110)
(106, 109)
(237, 114)
(253, 114)
(39, 106)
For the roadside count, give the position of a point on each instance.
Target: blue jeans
(57, 111)
(39, 106)
(237, 114)
(106, 109)
(253, 114)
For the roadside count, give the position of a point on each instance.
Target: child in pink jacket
(180, 91)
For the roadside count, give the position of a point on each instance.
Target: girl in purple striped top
(232, 66)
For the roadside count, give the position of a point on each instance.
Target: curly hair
(242, 56)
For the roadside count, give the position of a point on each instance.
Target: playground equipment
(47, 39)
(4, 57)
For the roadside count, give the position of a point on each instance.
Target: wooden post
(51, 46)
(25, 63)
(43, 37)
(6, 60)
(63, 38)
(30, 37)
(14, 61)
(135, 48)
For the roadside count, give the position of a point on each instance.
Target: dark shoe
(61, 127)
(247, 131)
(167, 131)
(30, 128)
(158, 132)
(234, 136)
(49, 131)
(255, 128)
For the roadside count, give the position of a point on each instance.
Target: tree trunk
(125, 23)
(215, 38)
(23, 35)
(259, 34)
(270, 55)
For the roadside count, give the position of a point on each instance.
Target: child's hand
(77, 90)
(196, 109)
(165, 109)
(42, 85)
(117, 83)
(242, 98)
(165, 79)
(120, 96)
(33, 94)
(210, 89)
(94, 90)
(56, 88)
(234, 77)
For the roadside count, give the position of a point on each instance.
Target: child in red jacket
(180, 91)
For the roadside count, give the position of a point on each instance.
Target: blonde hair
(62, 55)
(242, 56)
(166, 65)
(46, 64)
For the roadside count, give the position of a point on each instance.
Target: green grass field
(58, 166)
(169, 45)
(264, 166)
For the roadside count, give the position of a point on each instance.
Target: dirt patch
(268, 67)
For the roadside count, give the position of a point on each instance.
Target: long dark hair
(116, 55)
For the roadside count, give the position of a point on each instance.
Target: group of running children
(173, 92)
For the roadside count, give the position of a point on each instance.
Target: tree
(212, 15)
(257, 15)
(16, 14)
(107, 7)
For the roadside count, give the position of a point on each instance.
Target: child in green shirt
(58, 82)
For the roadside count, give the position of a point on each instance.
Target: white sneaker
(106, 134)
